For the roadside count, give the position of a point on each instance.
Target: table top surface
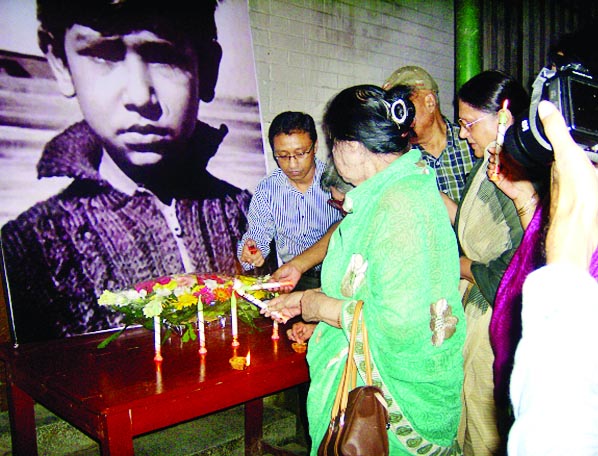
(124, 375)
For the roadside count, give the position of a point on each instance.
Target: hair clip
(397, 111)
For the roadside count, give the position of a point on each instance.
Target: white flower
(133, 294)
(211, 284)
(179, 291)
(161, 291)
(152, 308)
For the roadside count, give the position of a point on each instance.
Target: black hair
(290, 122)
(178, 20)
(488, 90)
(364, 113)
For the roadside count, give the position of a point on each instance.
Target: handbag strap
(399, 424)
(349, 375)
(350, 372)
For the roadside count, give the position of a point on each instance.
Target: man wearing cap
(436, 137)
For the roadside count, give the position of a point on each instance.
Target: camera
(574, 91)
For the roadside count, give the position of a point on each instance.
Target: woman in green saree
(396, 251)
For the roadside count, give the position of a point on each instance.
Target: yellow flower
(185, 300)
(261, 294)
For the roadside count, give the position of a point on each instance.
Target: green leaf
(110, 338)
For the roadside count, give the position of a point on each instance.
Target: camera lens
(525, 144)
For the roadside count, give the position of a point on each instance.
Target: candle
(201, 328)
(233, 314)
(238, 287)
(500, 139)
(269, 285)
(202, 368)
(158, 378)
(157, 342)
(275, 335)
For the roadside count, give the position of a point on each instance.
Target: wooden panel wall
(517, 34)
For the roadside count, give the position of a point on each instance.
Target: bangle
(527, 207)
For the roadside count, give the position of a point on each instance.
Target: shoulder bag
(359, 421)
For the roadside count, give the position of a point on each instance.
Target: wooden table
(119, 392)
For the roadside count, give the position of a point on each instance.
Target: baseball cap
(412, 76)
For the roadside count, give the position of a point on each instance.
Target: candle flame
(248, 359)
(505, 104)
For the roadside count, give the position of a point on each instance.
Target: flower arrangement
(175, 300)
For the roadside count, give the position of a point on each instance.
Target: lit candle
(233, 314)
(201, 328)
(500, 139)
(157, 348)
(248, 359)
(275, 335)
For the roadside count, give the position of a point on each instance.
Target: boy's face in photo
(138, 91)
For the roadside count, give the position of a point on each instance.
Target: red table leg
(254, 415)
(22, 422)
(118, 436)
(254, 441)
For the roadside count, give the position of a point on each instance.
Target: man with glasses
(436, 137)
(289, 206)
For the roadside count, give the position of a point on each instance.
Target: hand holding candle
(240, 290)
(500, 139)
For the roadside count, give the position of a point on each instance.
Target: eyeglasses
(299, 157)
(468, 125)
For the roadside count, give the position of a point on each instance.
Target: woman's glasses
(468, 125)
(299, 157)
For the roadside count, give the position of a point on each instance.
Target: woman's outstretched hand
(284, 307)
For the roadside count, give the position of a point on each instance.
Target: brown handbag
(359, 422)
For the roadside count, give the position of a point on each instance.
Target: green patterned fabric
(399, 424)
(400, 227)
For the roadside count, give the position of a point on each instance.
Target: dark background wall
(516, 34)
